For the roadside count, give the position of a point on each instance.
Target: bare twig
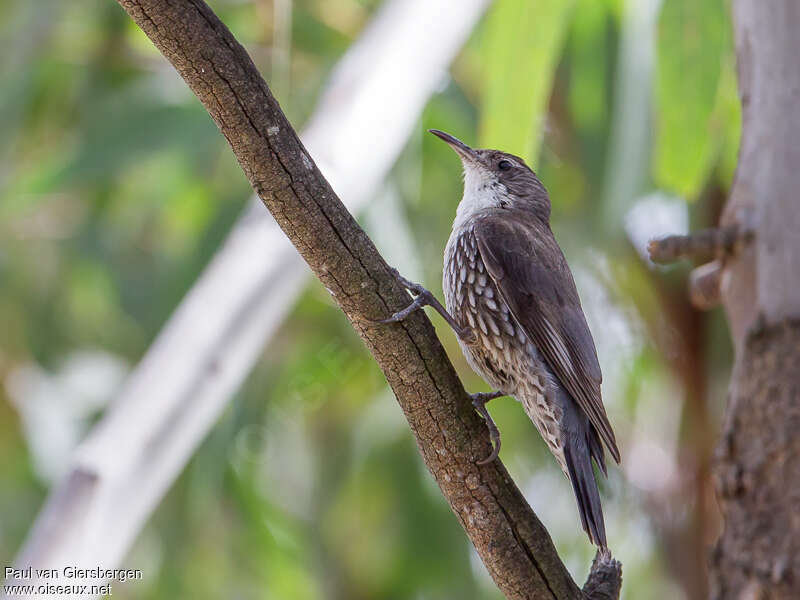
(715, 244)
(701, 246)
(512, 543)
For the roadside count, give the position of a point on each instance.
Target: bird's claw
(400, 315)
(424, 297)
(479, 401)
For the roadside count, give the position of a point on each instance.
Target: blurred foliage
(692, 42)
(116, 189)
(522, 44)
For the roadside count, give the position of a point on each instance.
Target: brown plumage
(535, 282)
(506, 280)
(512, 301)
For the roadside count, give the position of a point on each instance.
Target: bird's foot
(420, 301)
(479, 401)
(425, 297)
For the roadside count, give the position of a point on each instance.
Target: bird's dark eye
(504, 165)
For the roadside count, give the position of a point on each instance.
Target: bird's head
(495, 178)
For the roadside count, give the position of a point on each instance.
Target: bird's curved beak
(465, 152)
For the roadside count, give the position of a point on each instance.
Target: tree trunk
(758, 460)
(758, 471)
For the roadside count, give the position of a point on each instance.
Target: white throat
(481, 190)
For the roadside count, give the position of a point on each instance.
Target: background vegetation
(116, 188)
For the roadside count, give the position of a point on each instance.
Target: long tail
(579, 449)
(575, 446)
(581, 445)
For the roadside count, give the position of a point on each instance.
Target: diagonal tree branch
(122, 469)
(514, 545)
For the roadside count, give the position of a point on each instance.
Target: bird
(512, 301)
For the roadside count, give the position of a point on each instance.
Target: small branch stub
(701, 246)
(715, 245)
(605, 579)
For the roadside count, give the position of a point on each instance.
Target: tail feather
(578, 454)
(596, 449)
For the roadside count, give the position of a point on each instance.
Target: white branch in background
(630, 122)
(130, 458)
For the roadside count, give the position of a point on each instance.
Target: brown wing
(532, 275)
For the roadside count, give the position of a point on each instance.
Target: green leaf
(522, 46)
(691, 45)
(589, 65)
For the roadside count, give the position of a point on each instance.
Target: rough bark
(758, 556)
(758, 465)
(512, 542)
